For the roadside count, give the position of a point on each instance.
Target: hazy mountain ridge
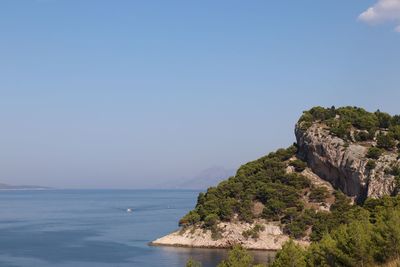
(208, 177)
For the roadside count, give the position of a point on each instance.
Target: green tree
(374, 153)
(387, 234)
(385, 141)
(384, 119)
(291, 255)
(395, 132)
(192, 263)
(211, 220)
(298, 165)
(371, 164)
(318, 194)
(190, 219)
(237, 257)
(348, 245)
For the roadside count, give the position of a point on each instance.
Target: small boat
(129, 210)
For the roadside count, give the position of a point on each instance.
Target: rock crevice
(344, 164)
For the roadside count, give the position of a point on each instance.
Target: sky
(134, 94)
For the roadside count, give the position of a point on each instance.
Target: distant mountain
(21, 187)
(208, 177)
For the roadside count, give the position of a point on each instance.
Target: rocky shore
(271, 238)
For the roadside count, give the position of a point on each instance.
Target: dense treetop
(365, 125)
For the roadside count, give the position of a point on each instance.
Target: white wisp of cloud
(381, 12)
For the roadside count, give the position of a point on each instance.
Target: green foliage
(238, 257)
(395, 120)
(342, 120)
(358, 117)
(190, 219)
(254, 232)
(291, 255)
(296, 228)
(341, 212)
(368, 236)
(362, 136)
(394, 131)
(395, 170)
(216, 232)
(264, 180)
(192, 263)
(371, 164)
(387, 234)
(341, 129)
(298, 165)
(374, 153)
(318, 194)
(211, 220)
(316, 114)
(384, 119)
(385, 141)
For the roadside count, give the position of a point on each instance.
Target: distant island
(335, 189)
(22, 187)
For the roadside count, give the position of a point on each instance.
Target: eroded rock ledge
(344, 164)
(271, 238)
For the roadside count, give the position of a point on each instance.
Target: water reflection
(209, 257)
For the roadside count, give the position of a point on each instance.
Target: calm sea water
(82, 228)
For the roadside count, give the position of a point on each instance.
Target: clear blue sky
(136, 93)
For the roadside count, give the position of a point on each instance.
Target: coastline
(270, 239)
(153, 244)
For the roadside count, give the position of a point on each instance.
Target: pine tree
(291, 255)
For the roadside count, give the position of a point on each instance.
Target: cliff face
(343, 164)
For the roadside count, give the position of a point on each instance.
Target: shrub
(341, 130)
(362, 136)
(384, 119)
(298, 165)
(318, 194)
(371, 164)
(254, 232)
(395, 120)
(295, 229)
(211, 220)
(291, 255)
(395, 170)
(374, 153)
(237, 257)
(190, 219)
(385, 141)
(192, 263)
(395, 132)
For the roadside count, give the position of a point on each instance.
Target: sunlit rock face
(343, 164)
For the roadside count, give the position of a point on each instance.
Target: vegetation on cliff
(343, 234)
(357, 124)
(266, 181)
(370, 236)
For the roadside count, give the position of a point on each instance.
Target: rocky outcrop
(333, 163)
(343, 164)
(271, 238)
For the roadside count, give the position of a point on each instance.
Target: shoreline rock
(270, 239)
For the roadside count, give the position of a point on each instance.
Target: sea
(82, 228)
